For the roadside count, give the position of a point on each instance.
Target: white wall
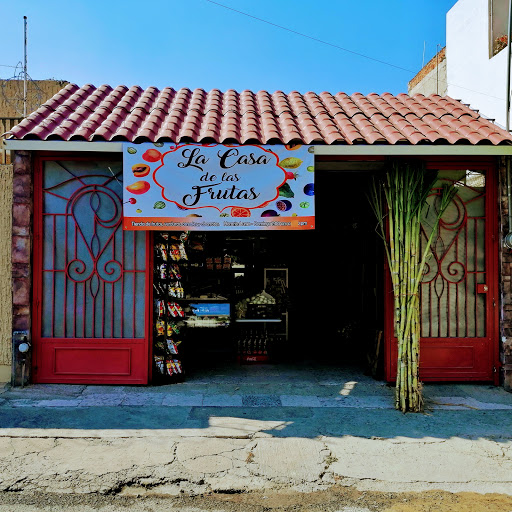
(472, 76)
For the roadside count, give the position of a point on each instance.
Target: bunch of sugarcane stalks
(399, 200)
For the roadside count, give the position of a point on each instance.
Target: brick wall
(505, 284)
(425, 74)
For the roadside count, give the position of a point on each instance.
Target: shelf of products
(169, 252)
(201, 279)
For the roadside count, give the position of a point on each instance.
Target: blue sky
(197, 43)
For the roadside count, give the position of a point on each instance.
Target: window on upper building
(498, 26)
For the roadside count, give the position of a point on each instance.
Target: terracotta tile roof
(136, 115)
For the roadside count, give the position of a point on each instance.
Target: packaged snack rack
(169, 315)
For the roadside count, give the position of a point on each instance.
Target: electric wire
(338, 47)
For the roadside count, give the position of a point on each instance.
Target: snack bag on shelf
(174, 271)
(173, 348)
(160, 365)
(183, 253)
(175, 310)
(160, 308)
(175, 252)
(162, 250)
(172, 328)
(160, 327)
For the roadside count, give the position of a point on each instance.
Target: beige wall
(38, 91)
(5, 272)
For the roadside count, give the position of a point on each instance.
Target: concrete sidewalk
(247, 428)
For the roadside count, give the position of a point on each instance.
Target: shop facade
(86, 291)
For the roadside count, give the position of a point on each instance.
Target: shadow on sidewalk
(283, 401)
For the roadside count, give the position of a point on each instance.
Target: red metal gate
(90, 277)
(459, 289)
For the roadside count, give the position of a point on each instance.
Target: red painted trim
(149, 300)
(37, 264)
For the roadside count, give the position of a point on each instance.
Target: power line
(327, 43)
(311, 37)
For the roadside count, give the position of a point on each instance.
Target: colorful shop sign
(216, 187)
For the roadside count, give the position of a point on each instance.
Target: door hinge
(493, 303)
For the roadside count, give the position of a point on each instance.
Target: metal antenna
(25, 69)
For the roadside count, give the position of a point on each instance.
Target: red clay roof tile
(137, 115)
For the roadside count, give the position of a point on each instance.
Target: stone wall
(22, 210)
(506, 285)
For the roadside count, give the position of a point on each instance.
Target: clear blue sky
(195, 43)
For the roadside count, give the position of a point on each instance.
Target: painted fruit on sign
(290, 163)
(284, 205)
(140, 170)
(270, 213)
(132, 200)
(286, 191)
(239, 211)
(159, 205)
(291, 175)
(304, 204)
(292, 147)
(309, 189)
(139, 187)
(152, 155)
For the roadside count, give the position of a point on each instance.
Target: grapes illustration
(309, 189)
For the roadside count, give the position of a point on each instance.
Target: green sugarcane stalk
(406, 190)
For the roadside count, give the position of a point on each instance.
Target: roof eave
(320, 149)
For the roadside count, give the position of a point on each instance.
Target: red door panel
(90, 321)
(458, 290)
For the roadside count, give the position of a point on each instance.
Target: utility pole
(25, 69)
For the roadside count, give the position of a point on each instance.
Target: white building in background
(475, 68)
